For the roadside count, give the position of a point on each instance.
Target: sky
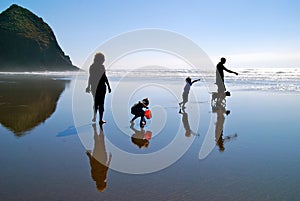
(251, 33)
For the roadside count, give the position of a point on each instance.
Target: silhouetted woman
(97, 85)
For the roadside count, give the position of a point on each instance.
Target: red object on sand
(148, 114)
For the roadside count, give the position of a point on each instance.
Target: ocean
(242, 147)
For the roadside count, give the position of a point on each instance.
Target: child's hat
(146, 101)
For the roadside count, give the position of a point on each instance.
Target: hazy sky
(253, 33)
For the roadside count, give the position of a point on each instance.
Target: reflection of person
(219, 128)
(97, 85)
(220, 75)
(186, 90)
(138, 111)
(218, 105)
(186, 125)
(140, 137)
(98, 160)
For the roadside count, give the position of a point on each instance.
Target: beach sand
(255, 158)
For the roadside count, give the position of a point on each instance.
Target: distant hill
(27, 43)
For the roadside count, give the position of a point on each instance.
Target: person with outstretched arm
(220, 75)
(186, 90)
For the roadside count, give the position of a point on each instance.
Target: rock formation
(27, 43)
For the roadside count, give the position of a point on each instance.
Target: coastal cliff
(27, 43)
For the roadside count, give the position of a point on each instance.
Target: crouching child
(138, 111)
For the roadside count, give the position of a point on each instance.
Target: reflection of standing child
(186, 125)
(138, 111)
(186, 90)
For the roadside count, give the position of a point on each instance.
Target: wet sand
(254, 158)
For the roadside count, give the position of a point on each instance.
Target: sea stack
(27, 43)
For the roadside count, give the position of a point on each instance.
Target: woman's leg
(101, 110)
(94, 109)
(100, 100)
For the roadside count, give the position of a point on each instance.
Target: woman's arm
(88, 88)
(107, 83)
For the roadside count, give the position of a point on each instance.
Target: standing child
(186, 90)
(138, 111)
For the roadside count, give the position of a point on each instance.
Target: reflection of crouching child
(138, 111)
(140, 137)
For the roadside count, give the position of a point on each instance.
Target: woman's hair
(99, 58)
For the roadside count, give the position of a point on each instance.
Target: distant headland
(27, 43)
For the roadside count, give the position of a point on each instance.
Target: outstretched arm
(195, 81)
(229, 71)
(88, 88)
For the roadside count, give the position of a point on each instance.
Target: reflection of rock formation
(25, 102)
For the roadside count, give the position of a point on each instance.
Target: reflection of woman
(97, 85)
(98, 160)
(140, 137)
